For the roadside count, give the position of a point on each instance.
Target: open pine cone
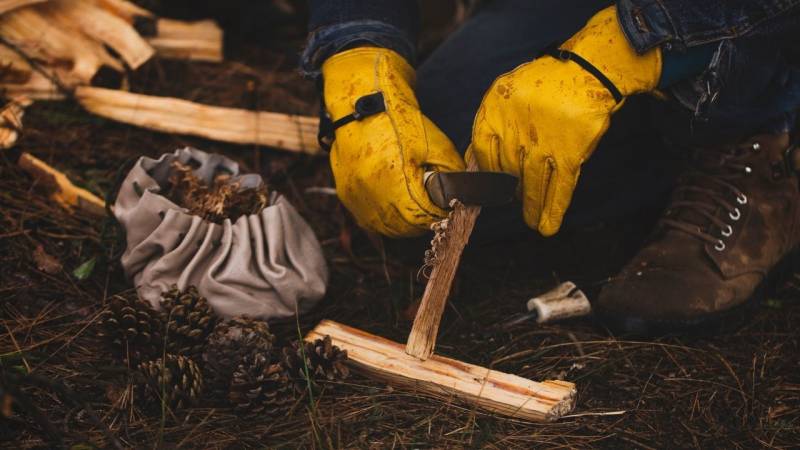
(229, 343)
(322, 360)
(175, 380)
(260, 385)
(190, 319)
(134, 327)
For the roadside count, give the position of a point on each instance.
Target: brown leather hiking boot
(733, 217)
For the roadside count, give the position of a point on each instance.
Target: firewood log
(172, 115)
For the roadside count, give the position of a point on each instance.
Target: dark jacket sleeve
(690, 23)
(335, 25)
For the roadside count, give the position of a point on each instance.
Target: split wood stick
(172, 115)
(60, 188)
(10, 5)
(121, 8)
(106, 27)
(447, 378)
(52, 40)
(422, 338)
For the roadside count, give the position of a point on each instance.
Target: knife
(470, 188)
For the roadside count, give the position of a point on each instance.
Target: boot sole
(721, 322)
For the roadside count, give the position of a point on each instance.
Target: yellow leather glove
(542, 120)
(379, 161)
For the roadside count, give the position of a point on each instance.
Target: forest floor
(737, 389)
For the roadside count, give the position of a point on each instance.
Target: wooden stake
(447, 378)
(172, 115)
(422, 338)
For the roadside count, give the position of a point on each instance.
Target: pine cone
(134, 327)
(322, 360)
(260, 385)
(227, 346)
(175, 380)
(190, 319)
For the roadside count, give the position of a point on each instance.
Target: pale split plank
(490, 390)
(198, 41)
(172, 115)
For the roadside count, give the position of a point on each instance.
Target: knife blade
(470, 188)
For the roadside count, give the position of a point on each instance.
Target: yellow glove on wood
(542, 120)
(379, 161)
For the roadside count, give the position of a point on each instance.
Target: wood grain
(172, 115)
(422, 339)
(448, 379)
(197, 41)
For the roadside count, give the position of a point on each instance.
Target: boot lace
(710, 184)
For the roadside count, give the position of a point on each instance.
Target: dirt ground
(737, 389)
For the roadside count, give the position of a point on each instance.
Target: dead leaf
(46, 262)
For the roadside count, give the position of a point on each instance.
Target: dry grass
(740, 389)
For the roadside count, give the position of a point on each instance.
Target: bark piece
(441, 377)
(172, 115)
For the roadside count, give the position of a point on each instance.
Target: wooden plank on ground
(446, 378)
(197, 41)
(171, 115)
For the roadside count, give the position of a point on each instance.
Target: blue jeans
(751, 84)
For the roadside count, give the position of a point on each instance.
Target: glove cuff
(350, 75)
(603, 44)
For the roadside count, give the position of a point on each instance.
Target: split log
(10, 5)
(103, 26)
(446, 378)
(49, 39)
(198, 41)
(172, 115)
(60, 188)
(11, 120)
(18, 78)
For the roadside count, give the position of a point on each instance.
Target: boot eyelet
(741, 198)
(735, 215)
(756, 146)
(727, 231)
(720, 246)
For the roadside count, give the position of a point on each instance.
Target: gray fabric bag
(267, 265)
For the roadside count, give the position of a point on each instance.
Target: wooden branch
(10, 5)
(172, 115)
(422, 338)
(494, 391)
(124, 9)
(60, 188)
(198, 41)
